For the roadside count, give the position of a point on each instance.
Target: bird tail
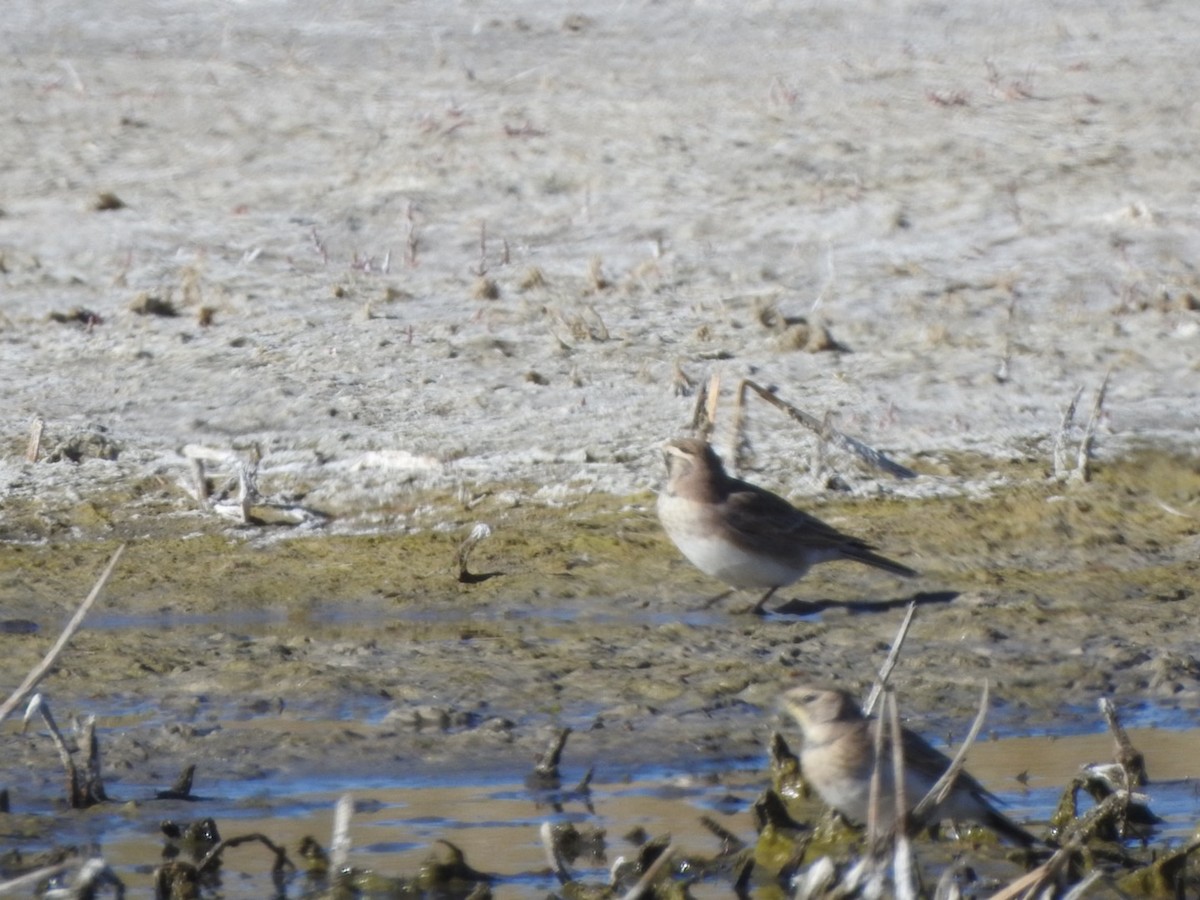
(1009, 830)
(867, 556)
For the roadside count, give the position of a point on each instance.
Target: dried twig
(869, 455)
(1002, 368)
(1128, 757)
(1084, 458)
(478, 532)
(704, 410)
(546, 772)
(182, 787)
(730, 842)
(94, 874)
(598, 331)
(649, 875)
(889, 664)
(40, 706)
(339, 842)
(29, 879)
(1061, 465)
(585, 783)
(903, 875)
(942, 787)
(681, 383)
(1081, 471)
(1031, 884)
(34, 677)
(93, 783)
(740, 444)
(247, 489)
(711, 401)
(199, 482)
(876, 788)
(411, 240)
(553, 858)
(281, 858)
(34, 448)
(1081, 890)
(81, 793)
(1087, 826)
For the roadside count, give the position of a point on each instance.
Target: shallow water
(494, 818)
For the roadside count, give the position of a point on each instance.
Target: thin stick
(39, 705)
(1002, 369)
(649, 875)
(700, 423)
(93, 782)
(34, 677)
(890, 663)
(681, 383)
(1029, 884)
(1061, 471)
(876, 787)
(93, 875)
(902, 869)
(703, 417)
(702, 410)
(1084, 459)
(941, 788)
(34, 448)
(411, 242)
(553, 857)
(200, 482)
(31, 878)
(339, 843)
(714, 397)
(547, 766)
(1127, 756)
(739, 428)
(479, 531)
(247, 491)
(1081, 889)
(600, 332)
(281, 857)
(869, 455)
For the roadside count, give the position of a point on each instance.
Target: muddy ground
(222, 645)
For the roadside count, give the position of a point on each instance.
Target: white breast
(722, 559)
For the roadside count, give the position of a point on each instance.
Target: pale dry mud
(987, 209)
(957, 192)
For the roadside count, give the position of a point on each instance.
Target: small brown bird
(745, 535)
(838, 757)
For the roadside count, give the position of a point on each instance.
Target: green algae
(1054, 592)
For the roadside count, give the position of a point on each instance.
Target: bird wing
(931, 763)
(768, 521)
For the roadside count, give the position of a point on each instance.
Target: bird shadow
(477, 577)
(808, 607)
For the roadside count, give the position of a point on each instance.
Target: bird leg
(758, 607)
(713, 601)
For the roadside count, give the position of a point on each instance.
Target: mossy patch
(589, 616)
